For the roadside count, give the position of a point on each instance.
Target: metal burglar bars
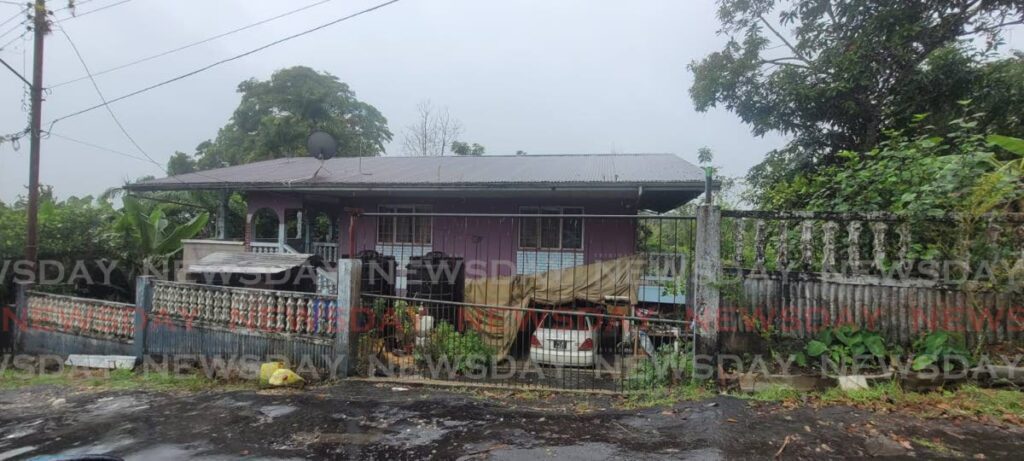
(546, 298)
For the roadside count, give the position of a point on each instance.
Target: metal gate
(605, 311)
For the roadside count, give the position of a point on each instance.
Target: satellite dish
(321, 145)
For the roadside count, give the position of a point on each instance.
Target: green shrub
(463, 351)
(938, 347)
(846, 346)
(665, 368)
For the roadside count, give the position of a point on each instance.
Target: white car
(569, 339)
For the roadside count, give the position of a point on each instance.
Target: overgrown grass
(773, 394)
(666, 396)
(968, 401)
(117, 379)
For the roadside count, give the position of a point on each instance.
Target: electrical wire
(76, 16)
(99, 147)
(9, 42)
(113, 116)
(191, 45)
(99, 92)
(220, 62)
(13, 17)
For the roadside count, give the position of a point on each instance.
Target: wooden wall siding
(804, 271)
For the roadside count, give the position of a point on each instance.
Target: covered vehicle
(568, 339)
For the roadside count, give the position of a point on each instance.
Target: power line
(97, 146)
(193, 44)
(16, 27)
(75, 4)
(223, 61)
(9, 42)
(99, 92)
(8, 66)
(13, 17)
(76, 16)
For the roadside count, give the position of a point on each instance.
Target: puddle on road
(10, 454)
(270, 412)
(101, 448)
(589, 451)
(112, 406)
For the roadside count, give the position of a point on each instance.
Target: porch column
(247, 236)
(222, 216)
(707, 275)
(282, 228)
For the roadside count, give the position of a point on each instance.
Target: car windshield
(567, 322)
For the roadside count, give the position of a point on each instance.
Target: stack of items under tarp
(592, 283)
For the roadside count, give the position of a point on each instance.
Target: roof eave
(303, 187)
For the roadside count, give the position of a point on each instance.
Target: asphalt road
(356, 420)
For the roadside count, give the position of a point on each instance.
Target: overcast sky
(547, 77)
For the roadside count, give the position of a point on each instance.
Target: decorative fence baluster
(759, 242)
(806, 244)
(740, 225)
(80, 317)
(878, 245)
(290, 326)
(282, 314)
(782, 257)
(853, 245)
(904, 251)
(828, 243)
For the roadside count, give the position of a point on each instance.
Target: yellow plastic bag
(267, 370)
(286, 377)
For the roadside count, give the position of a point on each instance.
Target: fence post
(20, 314)
(349, 286)
(707, 274)
(143, 307)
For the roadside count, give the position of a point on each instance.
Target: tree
(830, 73)
(464, 148)
(433, 133)
(521, 152)
(180, 163)
(275, 117)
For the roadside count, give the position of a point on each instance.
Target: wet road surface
(358, 420)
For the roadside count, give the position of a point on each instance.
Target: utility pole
(32, 222)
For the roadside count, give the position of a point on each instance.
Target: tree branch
(784, 62)
(789, 45)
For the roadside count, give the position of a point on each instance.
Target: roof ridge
(592, 154)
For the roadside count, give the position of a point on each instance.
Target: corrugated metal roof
(306, 172)
(226, 262)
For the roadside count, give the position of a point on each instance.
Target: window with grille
(408, 230)
(548, 232)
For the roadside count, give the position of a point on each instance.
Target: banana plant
(153, 237)
(1003, 185)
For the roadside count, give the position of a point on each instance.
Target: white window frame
(540, 210)
(394, 224)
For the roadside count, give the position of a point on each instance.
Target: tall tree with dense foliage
(835, 74)
(276, 116)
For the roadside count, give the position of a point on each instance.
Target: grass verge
(117, 380)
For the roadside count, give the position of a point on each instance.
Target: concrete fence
(186, 319)
(795, 273)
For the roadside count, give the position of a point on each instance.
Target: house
(477, 208)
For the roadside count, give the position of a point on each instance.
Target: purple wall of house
(473, 238)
